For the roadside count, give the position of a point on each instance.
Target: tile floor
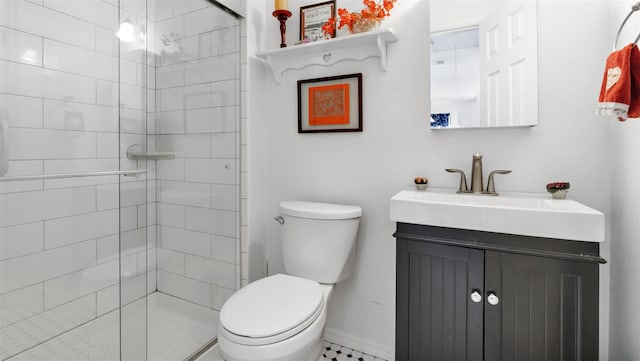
(176, 329)
(168, 316)
(334, 352)
(331, 352)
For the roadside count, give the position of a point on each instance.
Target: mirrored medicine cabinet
(483, 63)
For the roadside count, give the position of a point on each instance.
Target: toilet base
(312, 352)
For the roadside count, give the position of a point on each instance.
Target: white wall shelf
(356, 47)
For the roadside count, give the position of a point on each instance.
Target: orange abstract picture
(329, 105)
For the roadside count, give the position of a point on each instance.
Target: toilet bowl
(277, 318)
(282, 317)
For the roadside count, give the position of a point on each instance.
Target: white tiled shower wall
(59, 90)
(198, 118)
(59, 239)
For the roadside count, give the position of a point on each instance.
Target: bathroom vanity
(469, 290)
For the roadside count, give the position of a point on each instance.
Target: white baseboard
(356, 343)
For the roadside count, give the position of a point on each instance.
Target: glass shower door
(119, 177)
(73, 231)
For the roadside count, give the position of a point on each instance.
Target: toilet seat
(271, 310)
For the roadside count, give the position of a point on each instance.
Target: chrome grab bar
(126, 173)
(4, 143)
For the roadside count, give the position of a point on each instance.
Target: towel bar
(634, 8)
(126, 173)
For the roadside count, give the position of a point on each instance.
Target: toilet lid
(272, 306)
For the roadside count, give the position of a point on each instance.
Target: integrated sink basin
(526, 214)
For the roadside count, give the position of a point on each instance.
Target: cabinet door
(442, 323)
(547, 308)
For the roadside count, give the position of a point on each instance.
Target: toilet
(282, 317)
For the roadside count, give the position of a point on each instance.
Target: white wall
(396, 145)
(625, 248)
(255, 142)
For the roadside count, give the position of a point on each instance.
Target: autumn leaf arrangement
(372, 13)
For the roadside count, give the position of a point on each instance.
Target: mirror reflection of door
(483, 63)
(508, 65)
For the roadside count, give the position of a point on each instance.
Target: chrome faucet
(476, 178)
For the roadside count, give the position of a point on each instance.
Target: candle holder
(282, 15)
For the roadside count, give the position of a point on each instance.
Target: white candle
(281, 4)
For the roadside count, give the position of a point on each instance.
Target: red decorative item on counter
(556, 186)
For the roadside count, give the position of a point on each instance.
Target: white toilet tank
(319, 239)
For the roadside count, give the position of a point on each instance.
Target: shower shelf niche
(356, 47)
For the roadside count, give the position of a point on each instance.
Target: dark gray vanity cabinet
(468, 295)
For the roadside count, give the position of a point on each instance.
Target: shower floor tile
(95, 340)
(176, 328)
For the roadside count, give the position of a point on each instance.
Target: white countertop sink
(528, 214)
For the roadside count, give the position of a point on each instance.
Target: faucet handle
(463, 180)
(491, 189)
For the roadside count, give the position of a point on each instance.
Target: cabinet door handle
(476, 296)
(492, 298)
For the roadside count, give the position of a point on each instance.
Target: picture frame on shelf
(312, 17)
(330, 104)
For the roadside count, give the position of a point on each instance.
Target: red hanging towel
(620, 91)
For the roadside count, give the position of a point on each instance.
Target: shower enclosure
(119, 177)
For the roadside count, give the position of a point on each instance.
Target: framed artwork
(332, 104)
(312, 17)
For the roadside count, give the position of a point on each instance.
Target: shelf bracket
(382, 48)
(275, 69)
